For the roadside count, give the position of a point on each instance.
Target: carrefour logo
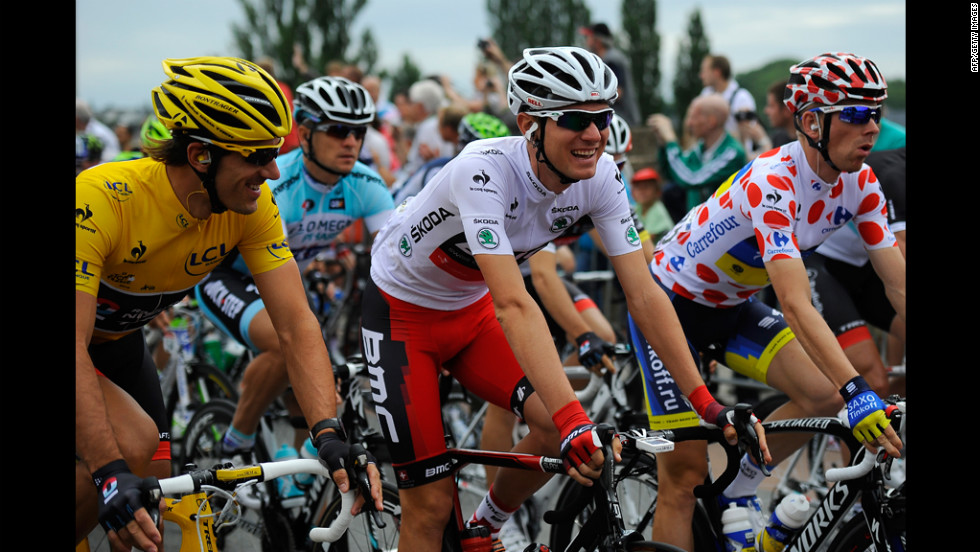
(779, 239)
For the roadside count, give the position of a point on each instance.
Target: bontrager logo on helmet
(831, 78)
(551, 78)
(221, 98)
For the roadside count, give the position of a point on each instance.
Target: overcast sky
(120, 43)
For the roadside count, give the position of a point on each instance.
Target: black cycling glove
(120, 494)
(591, 349)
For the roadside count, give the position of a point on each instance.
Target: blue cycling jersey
(314, 214)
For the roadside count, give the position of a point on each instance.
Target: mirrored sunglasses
(578, 120)
(853, 114)
(340, 131)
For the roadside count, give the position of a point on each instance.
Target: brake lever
(151, 497)
(359, 457)
(747, 437)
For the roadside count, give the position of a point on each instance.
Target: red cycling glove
(578, 435)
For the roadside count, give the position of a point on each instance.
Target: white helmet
(620, 138)
(550, 78)
(333, 99)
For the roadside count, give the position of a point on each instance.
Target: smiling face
(238, 182)
(573, 152)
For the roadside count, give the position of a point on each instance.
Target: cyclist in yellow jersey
(147, 231)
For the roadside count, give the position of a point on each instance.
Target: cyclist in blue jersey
(322, 189)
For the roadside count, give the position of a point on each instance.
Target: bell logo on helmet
(534, 102)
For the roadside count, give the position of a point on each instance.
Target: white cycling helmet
(551, 78)
(333, 99)
(620, 138)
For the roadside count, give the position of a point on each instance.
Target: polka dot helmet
(831, 78)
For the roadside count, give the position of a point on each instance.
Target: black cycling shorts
(849, 298)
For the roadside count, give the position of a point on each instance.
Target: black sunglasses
(578, 120)
(261, 157)
(341, 132)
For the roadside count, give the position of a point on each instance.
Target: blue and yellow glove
(865, 410)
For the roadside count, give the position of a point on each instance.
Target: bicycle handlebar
(227, 477)
(896, 412)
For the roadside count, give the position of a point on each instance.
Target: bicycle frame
(859, 480)
(605, 530)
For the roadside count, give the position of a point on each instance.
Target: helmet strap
(541, 157)
(207, 180)
(308, 153)
(821, 145)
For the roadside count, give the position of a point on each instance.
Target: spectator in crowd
(783, 130)
(426, 97)
(87, 123)
(743, 121)
(647, 188)
(599, 40)
(715, 156)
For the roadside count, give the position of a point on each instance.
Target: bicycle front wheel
(204, 433)
(637, 494)
(205, 382)
(363, 534)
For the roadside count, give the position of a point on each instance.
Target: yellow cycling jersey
(138, 250)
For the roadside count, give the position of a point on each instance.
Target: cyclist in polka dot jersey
(755, 230)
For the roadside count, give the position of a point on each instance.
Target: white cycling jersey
(488, 200)
(775, 207)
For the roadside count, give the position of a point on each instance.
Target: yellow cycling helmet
(223, 99)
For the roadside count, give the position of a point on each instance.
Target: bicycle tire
(853, 537)
(203, 378)
(652, 546)
(766, 406)
(362, 534)
(204, 433)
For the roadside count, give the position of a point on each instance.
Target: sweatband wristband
(854, 387)
(569, 417)
(111, 468)
(700, 399)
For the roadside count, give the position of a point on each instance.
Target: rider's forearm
(309, 369)
(819, 342)
(525, 327)
(654, 315)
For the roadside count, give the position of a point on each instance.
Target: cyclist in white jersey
(322, 190)
(448, 291)
(755, 230)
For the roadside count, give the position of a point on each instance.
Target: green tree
(403, 77)
(642, 45)
(319, 28)
(519, 24)
(687, 84)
